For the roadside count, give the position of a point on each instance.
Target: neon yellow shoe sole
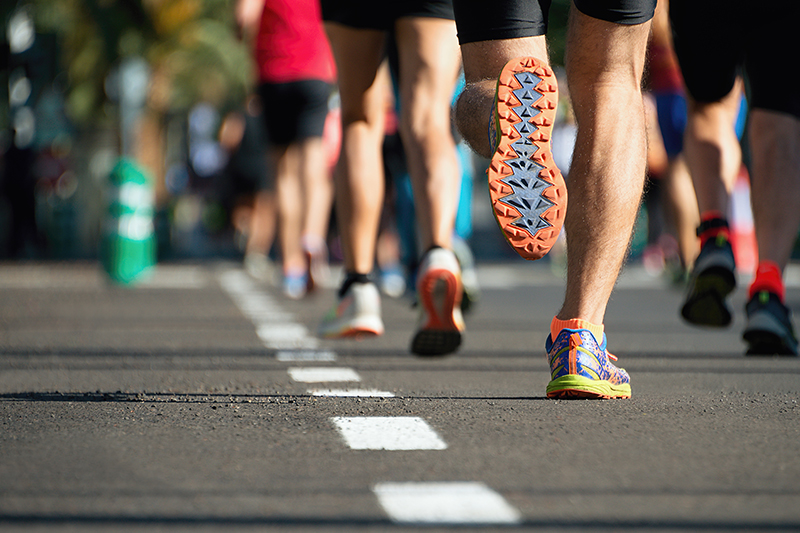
(572, 386)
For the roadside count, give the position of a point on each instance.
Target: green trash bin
(129, 243)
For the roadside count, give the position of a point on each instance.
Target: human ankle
(712, 224)
(575, 323)
(350, 278)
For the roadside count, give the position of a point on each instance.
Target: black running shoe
(769, 326)
(712, 280)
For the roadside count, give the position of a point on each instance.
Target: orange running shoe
(439, 290)
(528, 192)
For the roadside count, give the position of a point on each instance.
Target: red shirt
(665, 73)
(291, 44)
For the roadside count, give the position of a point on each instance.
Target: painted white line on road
(351, 393)
(236, 281)
(285, 335)
(323, 374)
(306, 356)
(276, 328)
(264, 309)
(256, 302)
(262, 316)
(445, 503)
(388, 433)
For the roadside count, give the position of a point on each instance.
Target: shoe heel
(706, 304)
(440, 295)
(429, 342)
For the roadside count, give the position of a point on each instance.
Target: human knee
(775, 130)
(716, 118)
(605, 56)
(425, 123)
(590, 94)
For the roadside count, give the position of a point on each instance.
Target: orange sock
(575, 323)
(768, 278)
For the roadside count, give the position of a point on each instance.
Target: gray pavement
(189, 403)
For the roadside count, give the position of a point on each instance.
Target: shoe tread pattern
(528, 192)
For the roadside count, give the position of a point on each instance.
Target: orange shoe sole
(528, 193)
(440, 297)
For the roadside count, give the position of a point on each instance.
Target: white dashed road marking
(288, 334)
(445, 503)
(351, 393)
(388, 433)
(305, 356)
(323, 374)
(276, 328)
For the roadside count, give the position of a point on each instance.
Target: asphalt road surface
(201, 400)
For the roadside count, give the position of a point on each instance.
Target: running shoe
(259, 267)
(439, 292)
(769, 328)
(529, 196)
(357, 314)
(712, 280)
(580, 368)
(295, 285)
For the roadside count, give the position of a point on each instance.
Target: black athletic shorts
(295, 110)
(715, 40)
(246, 170)
(382, 14)
(487, 20)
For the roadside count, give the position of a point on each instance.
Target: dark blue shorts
(671, 109)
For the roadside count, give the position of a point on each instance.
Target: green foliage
(192, 44)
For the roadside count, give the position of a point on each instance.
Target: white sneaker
(260, 267)
(439, 291)
(358, 313)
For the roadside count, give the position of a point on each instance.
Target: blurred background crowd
(163, 84)
(86, 82)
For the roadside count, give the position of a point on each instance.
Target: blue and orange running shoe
(580, 368)
(529, 196)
